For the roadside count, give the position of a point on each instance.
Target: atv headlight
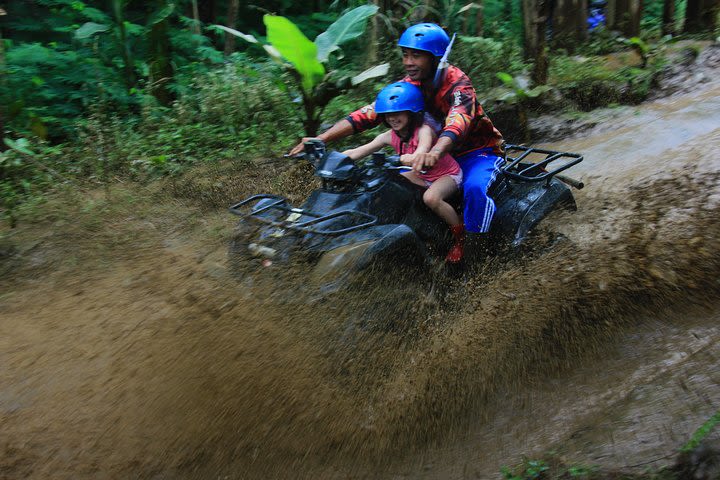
(262, 251)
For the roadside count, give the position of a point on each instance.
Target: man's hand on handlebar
(341, 129)
(300, 147)
(424, 161)
(407, 159)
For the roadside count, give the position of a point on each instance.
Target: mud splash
(164, 365)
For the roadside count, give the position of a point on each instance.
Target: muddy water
(631, 399)
(162, 365)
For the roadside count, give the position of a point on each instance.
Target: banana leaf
(296, 48)
(349, 26)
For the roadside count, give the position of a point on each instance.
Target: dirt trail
(146, 358)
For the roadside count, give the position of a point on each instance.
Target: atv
(367, 212)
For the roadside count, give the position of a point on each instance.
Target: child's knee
(432, 199)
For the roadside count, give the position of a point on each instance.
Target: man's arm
(458, 121)
(358, 121)
(341, 129)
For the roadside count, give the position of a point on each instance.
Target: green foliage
(307, 60)
(79, 55)
(519, 93)
(581, 471)
(586, 81)
(529, 470)
(640, 46)
(701, 433)
(22, 176)
(348, 27)
(482, 58)
(591, 83)
(236, 111)
(295, 47)
(80, 74)
(55, 85)
(602, 42)
(89, 29)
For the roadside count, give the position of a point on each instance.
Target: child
(401, 107)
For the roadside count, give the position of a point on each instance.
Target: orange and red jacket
(455, 101)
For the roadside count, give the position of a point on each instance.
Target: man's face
(418, 64)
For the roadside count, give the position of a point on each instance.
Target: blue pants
(480, 167)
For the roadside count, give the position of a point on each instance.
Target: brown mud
(129, 349)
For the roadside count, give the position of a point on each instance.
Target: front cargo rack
(280, 204)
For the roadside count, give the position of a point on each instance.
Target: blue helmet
(427, 37)
(399, 97)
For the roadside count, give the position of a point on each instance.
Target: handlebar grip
(570, 181)
(405, 167)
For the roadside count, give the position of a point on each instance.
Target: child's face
(397, 120)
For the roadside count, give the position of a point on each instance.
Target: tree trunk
(466, 21)
(429, 14)
(668, 25)
(196, 18)
(535, 20)
(701, 16)
(161, 70)
(2, 85)
(540, 69)
(636, 8)
(377, 33)
(232, 13)
(611, 9)
(569, 20)
(426, 13)
(207, 10)
(530, 38)
(128, 66)
(624, 16)
(480, 19)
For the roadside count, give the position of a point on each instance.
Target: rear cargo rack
(279, 204)
(538, 171)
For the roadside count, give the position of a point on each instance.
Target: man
(467, 134)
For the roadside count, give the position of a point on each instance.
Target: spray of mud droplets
(397, 361)
(259, 379)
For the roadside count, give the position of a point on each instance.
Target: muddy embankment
(142, 355)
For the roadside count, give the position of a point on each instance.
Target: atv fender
(378, 243)
(543, 200)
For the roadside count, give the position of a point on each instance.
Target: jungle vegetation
(94, 91)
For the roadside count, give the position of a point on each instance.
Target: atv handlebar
(392, 162)
(571, 181)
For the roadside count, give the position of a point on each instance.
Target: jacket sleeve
(462, 101)
(364, 118)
